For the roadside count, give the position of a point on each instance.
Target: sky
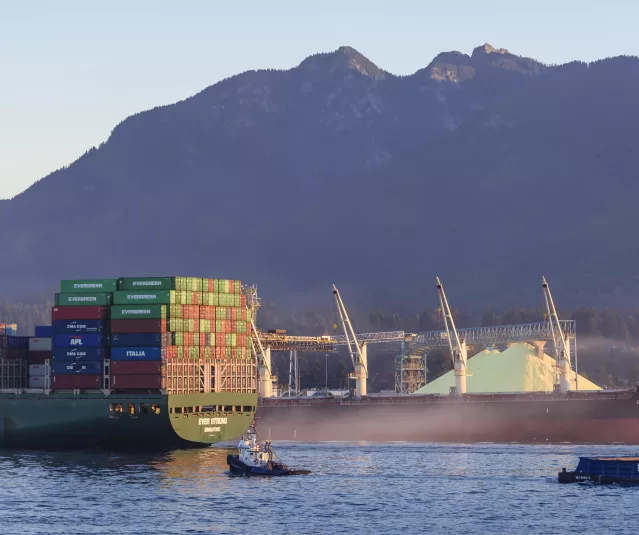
(71, 70)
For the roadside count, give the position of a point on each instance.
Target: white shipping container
(36, 370)
(39, 344)
(36, 382)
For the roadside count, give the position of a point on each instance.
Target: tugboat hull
(238, 468)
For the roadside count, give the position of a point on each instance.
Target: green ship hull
(132, 421)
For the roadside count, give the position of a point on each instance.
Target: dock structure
(411, 364)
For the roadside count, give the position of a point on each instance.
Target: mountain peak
(501, 58)
(345, 57)
(451, 66)
(487, 48)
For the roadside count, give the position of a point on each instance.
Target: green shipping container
(231, 340)
(88, 286)
(188, 284)
(146, 297)
(179, 339)
(155, 312)
(183, 325)
(209, 299)
(83, 300)
(207, 326)
(132, 284)
(241, 327)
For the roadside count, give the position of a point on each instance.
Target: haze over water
(355, 488)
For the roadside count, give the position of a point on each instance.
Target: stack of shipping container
(176, 331)
(182, 334)
(13, 353)
(81, 333)
(39, 352)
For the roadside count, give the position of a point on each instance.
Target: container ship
(131, 363)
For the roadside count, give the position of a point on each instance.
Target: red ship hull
(601, 418)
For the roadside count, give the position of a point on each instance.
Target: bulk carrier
(132, 363)
(602, 417)
(559, 415)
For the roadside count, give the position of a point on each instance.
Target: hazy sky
(70, 70)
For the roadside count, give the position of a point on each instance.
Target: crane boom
(560, 341)
(457, 346)
(356, 351)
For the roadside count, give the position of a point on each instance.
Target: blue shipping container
(79, 340)
(79, 326)
(18, 341)
(43, 331)
(137, 353)
(67, 354)
(139, 340)
(71, 368)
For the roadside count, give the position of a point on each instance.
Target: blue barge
(623, 470)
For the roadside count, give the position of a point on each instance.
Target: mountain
(487, 169)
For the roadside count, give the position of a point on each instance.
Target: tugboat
(624, 470)
(258, 459)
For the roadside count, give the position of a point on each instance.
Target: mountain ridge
(336, 170)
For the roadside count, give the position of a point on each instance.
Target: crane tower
(457, 346)
(560, 340)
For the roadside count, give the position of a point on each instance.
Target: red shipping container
(138, 326)
(136, 381)
(77, 381)
(38, 357)
(14, 353)
(242, 301)
(220, 339)
(79, 313)
(207, 313)
(172, 352)
(207, 352)
(234, 313)
(133, 367)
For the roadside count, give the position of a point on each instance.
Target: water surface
(354, 488)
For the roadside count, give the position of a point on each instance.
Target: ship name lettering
(212, 421)
(219, 421)
(212, 429)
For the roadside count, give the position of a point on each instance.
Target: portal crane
(560, 342)
(266, 380)
(356, 351)
(457, 346)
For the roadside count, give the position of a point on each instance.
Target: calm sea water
(355, 488)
